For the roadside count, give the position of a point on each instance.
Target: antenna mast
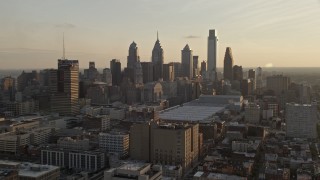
(64, 52)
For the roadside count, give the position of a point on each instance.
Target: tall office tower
(195, 66)
(186, 62)
(133, 57)
(259, 81)
(246, 86)
(92, 73)
(278, 84)
(8, 88)
(252, 74)
(212, 50)
(228, 65)
(107, 76)
(177, 67)
(252, 77)
(147, 71)
(64, 87)
(157, 60)
(134, 69)
(237, 73)
(203, 68)
(138, 74)
(27, 78)
(168, 72)
(301, 120)
(115, 66)
(305, 93)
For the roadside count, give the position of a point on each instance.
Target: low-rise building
(90, 161)
(73, 143)
(115, 142)
(29, 171)
(139, 171)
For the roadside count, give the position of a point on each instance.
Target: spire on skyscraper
(157, 36)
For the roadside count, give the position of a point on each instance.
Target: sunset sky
(280, 33)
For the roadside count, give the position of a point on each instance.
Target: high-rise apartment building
(186, 62)
(115, 66)
(64, 87)
(157, 60)
(228, 65)
(212, 50)
(301, 120)
(278, 84)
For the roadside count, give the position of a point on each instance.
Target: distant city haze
(262, 33)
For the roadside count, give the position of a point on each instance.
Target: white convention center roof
(190, 113)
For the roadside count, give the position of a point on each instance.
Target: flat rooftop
(190, 113)
(133, 166)
(35, 170)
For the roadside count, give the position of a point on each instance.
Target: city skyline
(277, 33)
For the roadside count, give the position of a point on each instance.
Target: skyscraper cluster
(156, 120)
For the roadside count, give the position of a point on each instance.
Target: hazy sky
(261, 32)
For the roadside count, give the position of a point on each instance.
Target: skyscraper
(168, 72)
(147, 71)
(115, 66)
(134, 69)
(237, 73)
(195, 65)
(259, 81)
(186, 62)
(157, 60)
(64, 87)
(203, 67)
(177, 67)
(138, 73)
(133, 55)
(107, 76)
(212, 50)
(228, 65)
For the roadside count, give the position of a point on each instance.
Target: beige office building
(168, 144)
